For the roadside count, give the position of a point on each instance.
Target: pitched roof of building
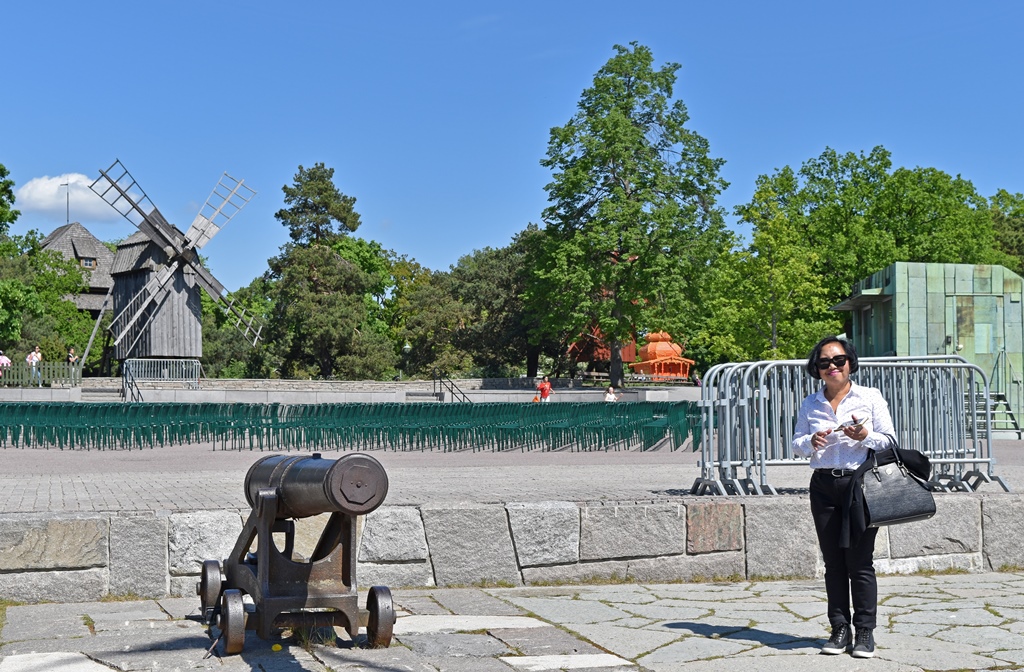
(76, 243)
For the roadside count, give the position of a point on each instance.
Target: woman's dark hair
(812, 361)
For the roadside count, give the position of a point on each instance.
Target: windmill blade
(225, 201)
(245, 322)
(136, 308)
(118, 188)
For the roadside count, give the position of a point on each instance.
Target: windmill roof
(135, 252)
(75, 242)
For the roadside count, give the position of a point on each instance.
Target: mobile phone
(852, 423)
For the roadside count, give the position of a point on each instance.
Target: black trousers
(847, 570)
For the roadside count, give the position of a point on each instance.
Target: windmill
(157, 272)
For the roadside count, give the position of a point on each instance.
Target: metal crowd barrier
(940, 406)
(186, 371)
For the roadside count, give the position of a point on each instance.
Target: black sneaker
(864, 647)
(839, 642)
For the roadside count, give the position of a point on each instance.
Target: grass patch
(778, 577)
(126, 597)
(89, 623)
(616, 580)
(1012, 569)
(949, 571)
(488, 583)
(312, 637)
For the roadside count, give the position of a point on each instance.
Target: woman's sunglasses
(838, 360)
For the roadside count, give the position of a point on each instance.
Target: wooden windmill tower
(157, 273)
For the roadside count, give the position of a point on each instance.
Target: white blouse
(840, 451)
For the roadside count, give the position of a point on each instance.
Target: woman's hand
(818, 438)
(857, 432)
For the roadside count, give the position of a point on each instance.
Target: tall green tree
(818, 230)
(1008, 224)
(766, 301)
(314, 206)
(433, 319)
(318, 308)
(8, 215)
(325, 318)
(633, 220)
(34, 288)
(491, 283)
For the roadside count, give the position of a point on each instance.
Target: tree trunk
(532, 360)
(615, 370)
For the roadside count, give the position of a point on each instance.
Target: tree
(934, 217)
(226, 354)
(817, 231)
(431, 323)
(8, 215)
(633, 222)
(767, 301)
(34, 308)
(313, 204)
(1008, 225)
(490, 284)
(318, 308)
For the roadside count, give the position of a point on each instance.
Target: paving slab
(549, 641)
(589, 627)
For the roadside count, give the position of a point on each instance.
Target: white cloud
(54, 197)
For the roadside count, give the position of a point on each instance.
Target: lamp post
(405, 353)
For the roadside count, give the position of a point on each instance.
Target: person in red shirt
(544, 389)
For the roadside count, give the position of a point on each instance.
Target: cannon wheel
(232, 621)
(381, 622)
(210, 583)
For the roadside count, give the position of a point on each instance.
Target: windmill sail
(225, 201)
(176, 271)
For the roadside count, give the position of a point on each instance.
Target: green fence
(351, 426)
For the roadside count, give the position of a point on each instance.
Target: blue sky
(435, 115)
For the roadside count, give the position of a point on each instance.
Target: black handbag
(893, 493)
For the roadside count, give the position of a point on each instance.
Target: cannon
(286, 590)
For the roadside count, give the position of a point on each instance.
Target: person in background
(610, 394)
(72, 357)
(836, 427)
(5, 363)
(544, 389)
(34, 359)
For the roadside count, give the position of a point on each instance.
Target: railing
(1006, 383)
(442, 384)
(129, 386)
(749, 411)
(184, 371)
(44, 374)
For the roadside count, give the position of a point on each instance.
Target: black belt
(835, 473)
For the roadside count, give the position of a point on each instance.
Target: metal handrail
(129, 386)
(442, 381)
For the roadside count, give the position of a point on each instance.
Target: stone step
(424, 396)
(101, 395)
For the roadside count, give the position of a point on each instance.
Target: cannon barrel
(310, 485)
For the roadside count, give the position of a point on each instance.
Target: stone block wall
(69, 558)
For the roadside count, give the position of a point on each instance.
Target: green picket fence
(351, 426)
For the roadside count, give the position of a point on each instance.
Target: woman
(835, 454)
(610, 394)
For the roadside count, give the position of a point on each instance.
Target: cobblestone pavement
(954, 622)
(197, 477)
